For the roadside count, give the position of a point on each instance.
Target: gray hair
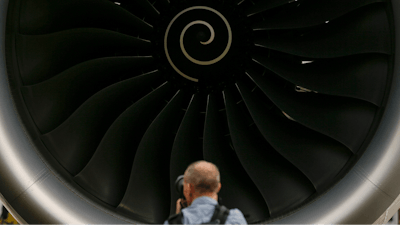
(203, 175)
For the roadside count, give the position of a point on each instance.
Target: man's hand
(181, 203)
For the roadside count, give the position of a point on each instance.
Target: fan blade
(107, 173)
(343, 119)
(47, 16)
(282, 185)
(311, 13)
(148, 9)
(43, 56)
(147, 194)
(366, 31)
(234, 178)
(163, 3)
(187, 146)
(53, 101)
(238, 2)
(362, 76)
(74, 141)
(264, 5)
(304, 148)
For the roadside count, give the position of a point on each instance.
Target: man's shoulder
(235, 217)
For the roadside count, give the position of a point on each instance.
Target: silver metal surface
(35, 194)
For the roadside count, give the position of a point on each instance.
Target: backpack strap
(175, 219)
(220, 215)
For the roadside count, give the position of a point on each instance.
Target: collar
(204, 200)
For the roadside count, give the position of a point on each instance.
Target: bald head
(204, 176)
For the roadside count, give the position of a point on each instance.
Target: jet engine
(104, 104)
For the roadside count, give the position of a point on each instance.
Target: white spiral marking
(203, 63)
(198, 22)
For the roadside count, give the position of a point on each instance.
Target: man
(200, 187)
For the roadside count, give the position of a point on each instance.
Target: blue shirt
(202, 209)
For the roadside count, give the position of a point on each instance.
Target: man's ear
(219, 187)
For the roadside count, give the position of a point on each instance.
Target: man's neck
(210, 195)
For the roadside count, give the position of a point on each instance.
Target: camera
(179, 186)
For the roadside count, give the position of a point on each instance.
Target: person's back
(201, 186)
(202, 209)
